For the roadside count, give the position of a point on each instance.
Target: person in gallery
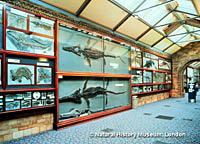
(192, 91)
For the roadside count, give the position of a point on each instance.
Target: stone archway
(180, 61)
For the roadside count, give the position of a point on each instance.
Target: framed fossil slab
(164, 64)
(25, 103)
(19, 41)
(147, 88)
(20, 74)
(0, 73)
(136, 57)
(168, 78)
(12, 105)
(43, 26)
(161, 87)
(158, 77)
(147, 75)
(44, 75)
(137, 89)
(37, 103)
(27, 95)
(136, 76)
(149, 55)
(155, 87)
(150, 63)
(16, 21)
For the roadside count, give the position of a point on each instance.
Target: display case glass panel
(150, 63)
(79, 52)
(42, 26)
(19, 41)
(147, 75)
(116, 58)
(19, 74)
(136, 57)
(79, 96)
(159, 77)
(117, 92)
(137, 76)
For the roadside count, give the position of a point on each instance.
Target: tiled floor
(133, 127)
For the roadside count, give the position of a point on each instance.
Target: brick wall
(152, 98)
(180, 61)
(19, 127)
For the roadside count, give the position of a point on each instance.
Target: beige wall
(24, 126)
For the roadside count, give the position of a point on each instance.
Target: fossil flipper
(85, 85)
(88, 102)
(89, 62)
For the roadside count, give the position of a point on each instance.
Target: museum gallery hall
(100, 71)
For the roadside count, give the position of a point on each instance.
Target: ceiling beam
(163, 3)
(193, 22)
(171, 28)
(196, 4)
(186, 13)
(83, 6)
(184, 33)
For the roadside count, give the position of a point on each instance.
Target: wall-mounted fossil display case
(81, 96)
(26, 33)
(93, 75)
(27, 61)
(88, 53)
(154, 76)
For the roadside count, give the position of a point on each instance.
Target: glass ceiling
(167, 25)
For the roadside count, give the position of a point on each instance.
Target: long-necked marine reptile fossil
(21, 72)
(88, 93)
(89, 52)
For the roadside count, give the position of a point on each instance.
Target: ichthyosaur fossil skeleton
(88, 93)
(89, 52)
(24, 42)
(21, 72)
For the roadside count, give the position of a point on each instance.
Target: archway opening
(190, 70)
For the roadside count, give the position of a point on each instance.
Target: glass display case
(27, 62)
(154, 76)
(81, 96)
